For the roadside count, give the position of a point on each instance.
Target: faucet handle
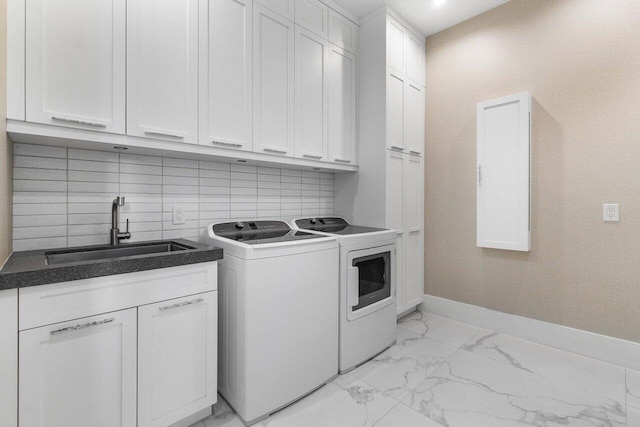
(127, 225)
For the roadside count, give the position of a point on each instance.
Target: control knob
(239, 225)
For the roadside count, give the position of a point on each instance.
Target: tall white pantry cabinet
(389, 189)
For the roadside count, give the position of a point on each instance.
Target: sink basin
(108, 252)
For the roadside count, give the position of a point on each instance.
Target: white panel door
(274, 84)
(313, 15)
(79, 373)
(342, 32)
(503, 173)
(311, 95)
(414, 230)
(285, 8)
(177, 369)
(225, 74)
(9, 357)
(341, 78)
(415, 58)
(395, 111)
(75, 63)
(414, 116)
(395, 217)
(162, 69)
(396, 49)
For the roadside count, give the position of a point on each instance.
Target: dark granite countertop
(30, 268)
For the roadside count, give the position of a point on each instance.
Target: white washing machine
(367, 287)
(278, 311)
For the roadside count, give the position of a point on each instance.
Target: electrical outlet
(610, 212)
(178, 215)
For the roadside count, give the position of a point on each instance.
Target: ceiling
(425, 15)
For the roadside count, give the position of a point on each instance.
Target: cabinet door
(342, 32)
(414, 117)
(177, 369)
(75, 63)
(79, 373)
(414, 229)
(313, 15)
(9, 357)
(273, 77)
(395, 111)
(415, 58)
(341, 77)
(395, 217)
(162, 69)
(285, 8)
(311, 95)
(225, 74)
(396, 45)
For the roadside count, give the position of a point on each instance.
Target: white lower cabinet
(79, 373)
(149, 359)
(177, 358)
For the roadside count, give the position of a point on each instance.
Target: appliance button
(239, 225)
(313, 221)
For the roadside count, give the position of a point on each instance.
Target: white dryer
(367, 287)
(278, 300)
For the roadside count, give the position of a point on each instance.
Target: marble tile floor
(446, 373)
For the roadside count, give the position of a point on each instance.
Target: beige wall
(6, 156)
(580, 60)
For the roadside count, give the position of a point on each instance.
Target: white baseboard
(589, 344)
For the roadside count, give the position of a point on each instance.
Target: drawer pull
(342, 161)
(414, 230)
(82, 326)
(152, 133)
(227, 144)
(416, 153)
(181, 304)
(274, 150)
(311, 156)
(79, 122)
(397, 148)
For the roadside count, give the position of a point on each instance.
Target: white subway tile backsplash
(62, 197)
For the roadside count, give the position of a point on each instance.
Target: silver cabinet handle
(397, 148)
(480, 175)
(311, 156)
(274, 150)
(227, 144)
(342, 161)
(414, 230)
(79, 122)
(82, 326)
(417, 153)
(152, 133)
(181, 304)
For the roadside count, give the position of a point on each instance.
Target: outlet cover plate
(610, 212)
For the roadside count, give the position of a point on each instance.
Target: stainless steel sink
(108, 252)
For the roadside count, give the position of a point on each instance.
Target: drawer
(59, 302)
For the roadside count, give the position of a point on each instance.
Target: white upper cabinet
(75, 63)
(162, 69)
(395, 111)
(225, 74)
(503, 175)
(273, 78)
(314, 16)
(415, 57)
(396, 45)
(341, 79)
(414, 117)
(285, 8)
(342, 32)
(311, 95)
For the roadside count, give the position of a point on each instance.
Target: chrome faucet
(116, 235)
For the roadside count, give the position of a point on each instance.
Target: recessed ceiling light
(439, 2)
(118, 147)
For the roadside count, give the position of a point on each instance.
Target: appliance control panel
(307, 223)
(249, 227)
